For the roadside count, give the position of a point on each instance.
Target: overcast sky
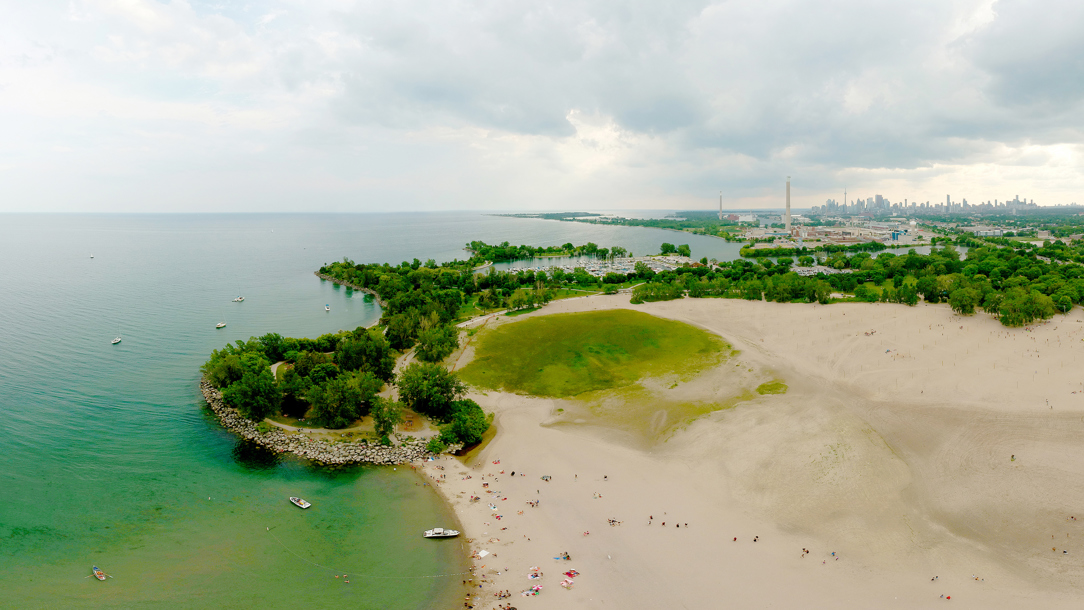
(283, 105)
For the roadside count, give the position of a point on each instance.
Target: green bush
(435, 445)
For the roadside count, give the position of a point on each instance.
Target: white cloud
(284, 105)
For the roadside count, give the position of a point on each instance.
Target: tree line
(1015, 286)
(504, 252)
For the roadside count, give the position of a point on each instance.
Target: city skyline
(200, 106)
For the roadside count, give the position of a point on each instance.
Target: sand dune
(891, 449)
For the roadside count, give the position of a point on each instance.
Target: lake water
(111, 458)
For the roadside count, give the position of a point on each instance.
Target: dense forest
(333, 381)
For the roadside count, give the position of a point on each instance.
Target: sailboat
(220, 325)
(116, 341)
(239, 299)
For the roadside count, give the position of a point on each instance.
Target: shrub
(435, 445)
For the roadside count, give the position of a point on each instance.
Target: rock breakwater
(376, 297)
(318, 450)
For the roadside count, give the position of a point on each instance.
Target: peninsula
(722, 425)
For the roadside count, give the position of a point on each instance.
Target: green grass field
(564, 355)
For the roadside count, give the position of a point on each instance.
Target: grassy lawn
(567, 354)
(772, 387)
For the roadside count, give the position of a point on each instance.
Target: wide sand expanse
(890, 459)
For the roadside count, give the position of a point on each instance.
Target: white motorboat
(298, 502)
(327, 307)
(220, 325)
(239, 299)
(116, 341)
(439, 532)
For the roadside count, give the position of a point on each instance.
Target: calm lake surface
(110, 456)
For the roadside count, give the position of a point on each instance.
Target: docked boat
(327, 307)
(98, 573)
(220, 325)
(298, 502)
(439, 532)
(115, 341)
(239, 299)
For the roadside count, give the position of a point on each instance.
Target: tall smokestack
(787, 218)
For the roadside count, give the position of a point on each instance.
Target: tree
(865, 293)
(468, 423)
(400, 330)
(294, 387)
(254, 395)
(307, 361)
(684, 250)
(322, 372)
(1063, 303)
(436, 343)
(991, 304)
(343, 399)
(964, 300)
(429, 389)
(667, 249)
(752, 290)
(223, 369)
(274, 346)
(907, 295)
(366, 351)
(929, 289)
(386, 415)
(1020, 306)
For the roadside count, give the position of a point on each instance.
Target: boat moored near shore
(439, 532)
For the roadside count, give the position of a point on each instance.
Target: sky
(415, 105)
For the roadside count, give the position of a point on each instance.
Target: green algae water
(111, 458)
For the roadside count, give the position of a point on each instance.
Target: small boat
(439, 532)
(298, 502)
(116, 341)
(327, 307)
(98, 573)
(239, 299)
(220, 325)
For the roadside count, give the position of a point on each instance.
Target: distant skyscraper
(787, 218)
(720, 205)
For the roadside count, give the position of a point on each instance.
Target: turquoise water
(111, 458)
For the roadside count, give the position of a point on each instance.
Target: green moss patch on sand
(772, 387)
(564, 355)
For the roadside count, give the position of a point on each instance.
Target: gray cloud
(421, 100)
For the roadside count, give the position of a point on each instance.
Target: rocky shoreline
(376, 296)
(318, 450)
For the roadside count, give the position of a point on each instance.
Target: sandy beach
(913, 444)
